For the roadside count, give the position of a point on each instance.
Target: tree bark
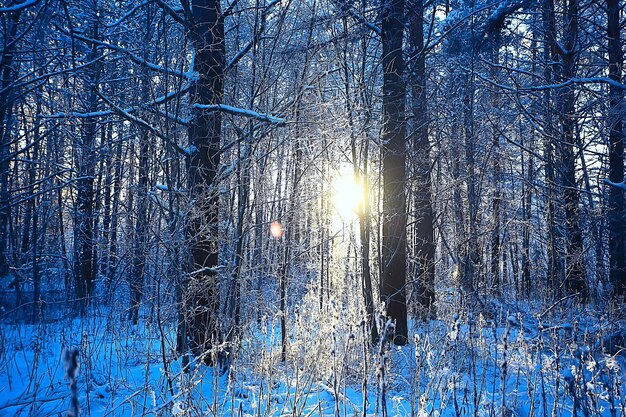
(616, 206)
(497, 178)
(424, 227)
(84, 247)
(140, 247)
(575, 273)
(207, 36)
(7, 74)
(555, 272)
(393, 285)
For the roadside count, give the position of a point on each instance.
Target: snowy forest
(312, 208)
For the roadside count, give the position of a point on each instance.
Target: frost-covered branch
(213, 270)
(621, 185)
(19, 6)
(366, 23)
(131, 110)
(171, 12)
(126, 15)
(251, 114)
(583, 80)
(255, 40)
(556, 86)
(132, 118)
(496, 20)
(134, 57)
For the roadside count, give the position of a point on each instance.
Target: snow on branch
(126, 15)
(19, 6)
(366, 23)
(278, 121)
(527, 88)
(257, 37)
(621, 185)
(140, 122)
(579, 80)
(207, 269)
(172, 12)
(498, 17)
(133, 57)
(102, 113)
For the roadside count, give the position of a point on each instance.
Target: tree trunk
(575, 273)
(424, 227)
(37, 312)
(207, 36)
(497, 178)
(140, 248)
(394, 171)
(471, 256)
(616, 206)
(141, 231)
(529, 179)
(7, 75)
(84, 247)
(555, 273)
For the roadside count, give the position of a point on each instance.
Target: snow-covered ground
(460, 367)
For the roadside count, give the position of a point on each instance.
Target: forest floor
(462, 367)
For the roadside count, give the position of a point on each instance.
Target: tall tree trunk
(140, 247)
(35, 208)
(595, 224)
(527, 188)
(7, 74)
(393, 285)
(243, 193)
(360, 171)
(424, 227)
(138, 264)
(575, 273)
(471, 256)
(112, 259)
(207, 36)
(365, 237)
(616, 206)
(107, 208)
(555, 273)
(497, 174)
(84, 247)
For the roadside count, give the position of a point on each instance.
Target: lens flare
(276, 229)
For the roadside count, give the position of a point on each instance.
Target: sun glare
(347, 193)
(276, 229)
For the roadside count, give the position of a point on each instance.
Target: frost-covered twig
(620, 185)
(19, 6)
(71, 372)
(388, 330)
(242, 112)
(339, 397)
(556, 303)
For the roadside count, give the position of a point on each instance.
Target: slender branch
(242, 112)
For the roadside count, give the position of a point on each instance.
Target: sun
(346, 192)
